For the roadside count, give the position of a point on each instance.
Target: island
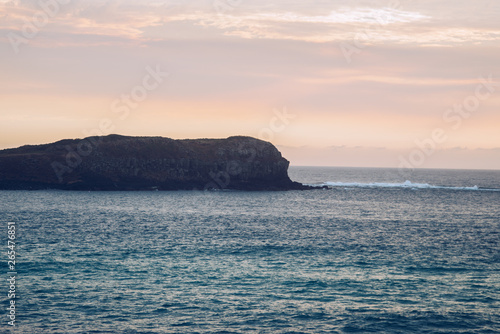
(117, 162)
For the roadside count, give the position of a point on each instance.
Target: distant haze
(342, 83)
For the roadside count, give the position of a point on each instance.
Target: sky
(330, 83)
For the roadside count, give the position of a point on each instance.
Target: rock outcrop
(117, 162)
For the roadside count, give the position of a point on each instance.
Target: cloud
(362, 25)
(78, 23)
(138, 23)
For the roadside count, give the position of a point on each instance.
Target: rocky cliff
(140, 163)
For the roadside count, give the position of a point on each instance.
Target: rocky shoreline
(118, 162)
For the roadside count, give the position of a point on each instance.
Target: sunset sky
(340, 83)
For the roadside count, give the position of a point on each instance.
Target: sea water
(376, 252)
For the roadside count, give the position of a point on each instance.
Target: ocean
(377, 252)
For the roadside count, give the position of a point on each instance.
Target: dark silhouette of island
(118, 162)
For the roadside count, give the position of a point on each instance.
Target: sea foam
(407, 185)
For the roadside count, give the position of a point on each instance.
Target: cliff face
(139, 163)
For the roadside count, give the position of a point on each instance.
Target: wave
(407, 185)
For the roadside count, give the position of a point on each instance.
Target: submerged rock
(117, 162)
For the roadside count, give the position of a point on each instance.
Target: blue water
(373, 253)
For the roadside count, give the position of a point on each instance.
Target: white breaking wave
(407, 184)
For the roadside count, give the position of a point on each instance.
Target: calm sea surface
(377, 252)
